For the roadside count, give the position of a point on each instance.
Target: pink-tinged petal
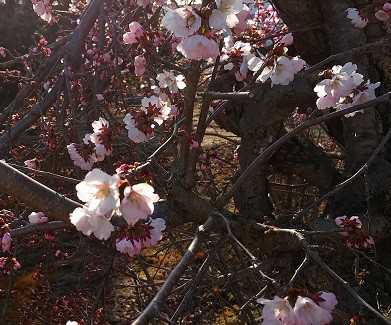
(382, 15)
(330, 301)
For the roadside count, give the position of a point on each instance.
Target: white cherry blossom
(88, 222)
(134, 133)
(277, 312)
(100, 191)
(182, 22)
(308, 312)
(224, 17)
(357, 17)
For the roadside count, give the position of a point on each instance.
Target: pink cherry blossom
(182, 22)
(382, 15)
(243, 16)
(287, 39)
(327, 301)
(99, 97)
(307, 312)
(155, 227)
(135, 34)
(100, 191)
(357, 17)
(32, 163)
(138, 202)
(139, 65)
(356, 236)
(6, 241)
(131, 247)
(37, 217)
(198, 47)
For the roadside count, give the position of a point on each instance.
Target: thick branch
(36, 195)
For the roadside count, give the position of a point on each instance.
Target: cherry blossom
(138, 202)
(224, 17)
(7, 264)
(155, 228)
(140, 63)
(37, 217)
(42, 9)
(198, 47)
(358, 18)
(277, 311)
(6, 241)
(32, 163)
(100, 191)
(243, 15)
(131, 247)
(143, 3)
(134, 133)
(88, 222)
(168, 79)
(182, 22)
(385, 13)
(281, 72)
(101, 138)
(135, 34)
(337, 82)
(326, 300)
(100, 97)
(287, 39)
(83, 155)
(308, 312)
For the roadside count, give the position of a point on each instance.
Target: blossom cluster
(277, 66)
(140, 123)
(37, 218)
(95, 146)
(141, 235)
(106, 196)
(356, 236)
(43, 9)
(360, 20)
(298, 309)
(342, 87)
(384, 14)
(199, 37)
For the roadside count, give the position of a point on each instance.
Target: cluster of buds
(95, 146)
(7, 264)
